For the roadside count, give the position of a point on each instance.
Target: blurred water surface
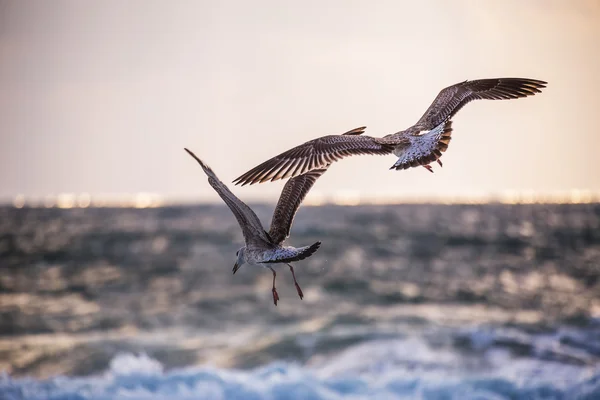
(408, 293)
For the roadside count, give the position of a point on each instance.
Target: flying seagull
(421, 144)
(266, 248)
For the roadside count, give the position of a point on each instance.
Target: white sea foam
(383, 369)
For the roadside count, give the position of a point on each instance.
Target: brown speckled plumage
(262, 248)
(314, 154)
(413, 146)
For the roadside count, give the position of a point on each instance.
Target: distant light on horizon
(342, 198)
(315, 198)
(145, 200)
(347, 198)
(19, 201)
(85, 200)
(65, 200)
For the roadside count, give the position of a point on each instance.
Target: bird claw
(428, 168)
(275, 296)
(439, 162)
(299, 291)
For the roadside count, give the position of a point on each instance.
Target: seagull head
(240, 259)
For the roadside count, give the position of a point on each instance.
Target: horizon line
(345, 198)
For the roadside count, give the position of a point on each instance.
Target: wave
(406, 368)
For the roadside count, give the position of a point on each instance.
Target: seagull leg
(275, 295)
(296, 282)
(428, 168)
(439, 162)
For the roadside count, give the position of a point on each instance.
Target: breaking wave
(380, 369)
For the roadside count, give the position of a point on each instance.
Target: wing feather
(254, 233)
(451, 99)
(314, 154)
(292, 195)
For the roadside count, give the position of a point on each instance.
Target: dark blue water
(407, 301)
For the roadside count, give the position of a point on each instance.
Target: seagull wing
(314, 154)
(292, 195)
(254, 233)
(451, 99)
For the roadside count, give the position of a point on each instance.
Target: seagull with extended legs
(421, 144)
(266, 248)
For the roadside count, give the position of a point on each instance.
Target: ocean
(487, 301)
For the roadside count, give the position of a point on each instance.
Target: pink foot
(275, 296)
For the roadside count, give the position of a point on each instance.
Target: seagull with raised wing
(421, 144)
(315, 154)
(266, 248)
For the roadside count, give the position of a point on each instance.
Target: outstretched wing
(252, 229)
(294, 191)
(423, 149)
(314, 154)
(451, 99)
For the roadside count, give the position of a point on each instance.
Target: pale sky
(101, 97)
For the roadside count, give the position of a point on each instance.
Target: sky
(102, 97)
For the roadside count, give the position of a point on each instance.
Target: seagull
(266, 248)
(421, 144)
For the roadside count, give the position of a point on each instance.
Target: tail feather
(425, 148)
(298, 255)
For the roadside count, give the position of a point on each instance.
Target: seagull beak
(235, 268)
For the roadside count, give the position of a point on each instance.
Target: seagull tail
(428, 147)
(307, 251)
(442, 144)
(299, 254)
